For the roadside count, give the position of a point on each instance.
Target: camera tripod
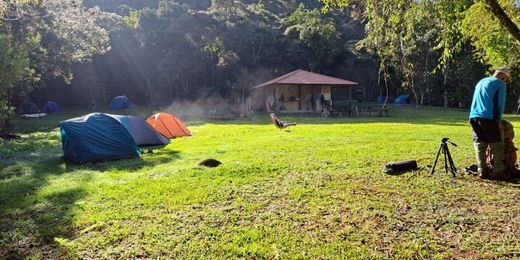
(448, 161)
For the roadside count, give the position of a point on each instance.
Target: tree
(15, 76)
(493, 42)
(316, 40)
(452, 13)
(45, 39)
(392, 25)
(503, 18)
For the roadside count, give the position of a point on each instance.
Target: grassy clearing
(315, 192)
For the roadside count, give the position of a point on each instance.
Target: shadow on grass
(161, 156)
(32, 216)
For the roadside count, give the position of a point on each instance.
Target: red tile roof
(302, 77)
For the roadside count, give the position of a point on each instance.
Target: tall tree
(15, 76)
(316, 40)
(446, 20)
(51, 36)
(450, 15)
(496, 42)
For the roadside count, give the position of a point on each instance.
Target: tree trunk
(256, 55)
(445, 83)
(149, 86)
(5, 126)
(504, 20)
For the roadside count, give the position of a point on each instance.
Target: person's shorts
(486, 130)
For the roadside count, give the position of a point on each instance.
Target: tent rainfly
(121, 102)
(51, 107)
(101, 137)
(168, 125)
(29, 107)
(404, 100)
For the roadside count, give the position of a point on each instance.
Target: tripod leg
(445, 151)
(452, 165)
(436, 159)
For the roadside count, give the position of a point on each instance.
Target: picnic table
(351, 110)
(373, 109)
(338, 110)
(343, 110)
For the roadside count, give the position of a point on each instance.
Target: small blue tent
(381, 99)
(121, 102)
(404, 100)
(29, 107)
(102, 137)
(51, 107)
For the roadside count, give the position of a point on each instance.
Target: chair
(325, 110)
(353, 110)
(281, 124)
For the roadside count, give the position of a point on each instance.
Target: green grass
(317, 191)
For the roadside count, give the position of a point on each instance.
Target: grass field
(317, 191)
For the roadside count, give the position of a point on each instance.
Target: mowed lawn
(317, 191)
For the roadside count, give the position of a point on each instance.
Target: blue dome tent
(121, 102)
(29, 107)
(101, 137)
(51, 107)
(404, 100)
(381, 99)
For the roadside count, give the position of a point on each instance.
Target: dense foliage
(417, 38)
(39, 43)
(159, 52)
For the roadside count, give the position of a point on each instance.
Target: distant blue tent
(51, 107)
(381, 99)
(121, 102)
(29, 107)
(404, 100)
(101, 137)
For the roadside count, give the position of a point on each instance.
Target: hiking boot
(499, 177)
(485, 176)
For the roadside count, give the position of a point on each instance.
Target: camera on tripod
(448, 161)
(445, 140)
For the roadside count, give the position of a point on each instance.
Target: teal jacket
(489, 99)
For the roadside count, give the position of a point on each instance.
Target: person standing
(282, 102)
(311, 102)
(487, 108)
(322, 101)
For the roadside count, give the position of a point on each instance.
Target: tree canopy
(39, 43)
(400, 32)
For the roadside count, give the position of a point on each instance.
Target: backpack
(510, 160)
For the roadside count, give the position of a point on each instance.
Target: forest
(158, 52)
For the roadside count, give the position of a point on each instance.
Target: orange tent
(168, 125)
